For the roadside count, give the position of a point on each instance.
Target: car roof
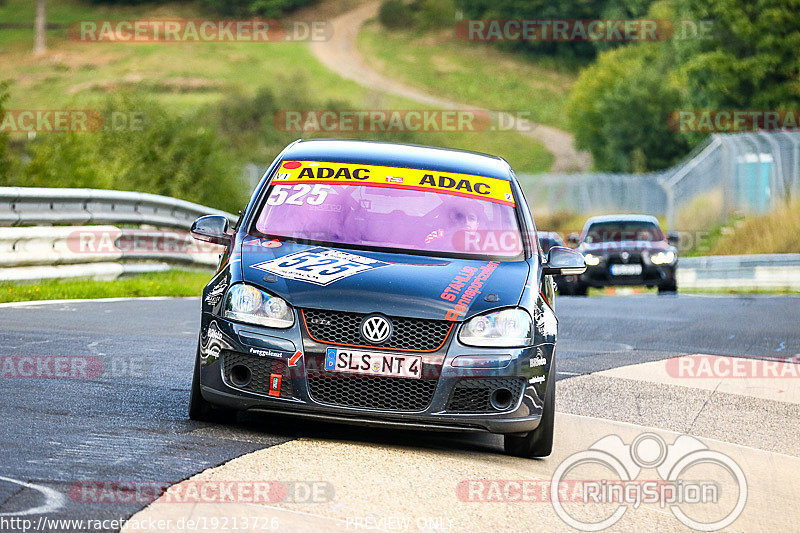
(622, 218)
(550, 235)
(399, 155)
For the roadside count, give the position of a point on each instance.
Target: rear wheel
(539, 442)
(201, 409)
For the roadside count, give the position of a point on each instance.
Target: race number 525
(299, 194)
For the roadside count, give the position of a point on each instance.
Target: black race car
(386, 285)
(626, 250)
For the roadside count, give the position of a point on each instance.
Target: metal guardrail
(750, 173)
(29, 206)
(777, 271)
(57, 233)
(73, 218)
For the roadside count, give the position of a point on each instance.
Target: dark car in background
(624, 250)
(548, 239)
(384, 285)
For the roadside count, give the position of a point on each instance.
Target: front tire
(669, 287)
(539, 442)
(201, 409)
(579, 289)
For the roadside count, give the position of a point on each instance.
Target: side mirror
(563, 261)
(573, 239)
(673, 238)
(212, 228)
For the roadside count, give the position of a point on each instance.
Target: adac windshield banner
(484, 188)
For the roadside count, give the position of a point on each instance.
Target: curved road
(128, 423)
(340, 54)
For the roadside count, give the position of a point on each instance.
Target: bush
(420, 14)
(260, 8)
(175, 156)
(395, 15)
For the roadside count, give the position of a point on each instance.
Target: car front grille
(616, 258)
(412, 334)
(260, 370)
(371, 392)
(473, 395)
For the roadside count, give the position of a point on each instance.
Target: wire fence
(740, 173)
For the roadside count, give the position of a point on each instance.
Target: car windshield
(623, 230)
(402, 210)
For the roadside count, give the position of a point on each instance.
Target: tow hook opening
(241, 376)
(501, 399)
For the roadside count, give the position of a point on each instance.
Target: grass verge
(187, 77)
(170, 283)
(442, 64)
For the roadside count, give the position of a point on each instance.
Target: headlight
(591, 260)
(663, 258)
(506, 328)
(245, 303)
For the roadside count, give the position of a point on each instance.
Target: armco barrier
(31, 206)
(38, 240)
(772, 271)
(40, 222)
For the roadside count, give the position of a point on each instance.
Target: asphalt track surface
(130, 424)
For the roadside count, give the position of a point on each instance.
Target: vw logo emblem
(376, 329)
(625, 256)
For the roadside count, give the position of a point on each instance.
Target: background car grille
(473, 395)
(616, 258)
(369, 392)
(337, 327)
(260, 369)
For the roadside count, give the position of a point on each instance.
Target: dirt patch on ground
(171, 85)
(341, 55)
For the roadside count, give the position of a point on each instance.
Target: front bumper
(269, 352)
(652, 275)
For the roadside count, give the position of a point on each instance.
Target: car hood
(393, 284)
(620, 246)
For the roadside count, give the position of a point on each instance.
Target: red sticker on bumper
(275, 384)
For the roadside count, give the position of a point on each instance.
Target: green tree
(750, 58)
(618, 110)
(178, 156)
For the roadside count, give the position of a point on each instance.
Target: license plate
(373, 363)
(626, 270)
